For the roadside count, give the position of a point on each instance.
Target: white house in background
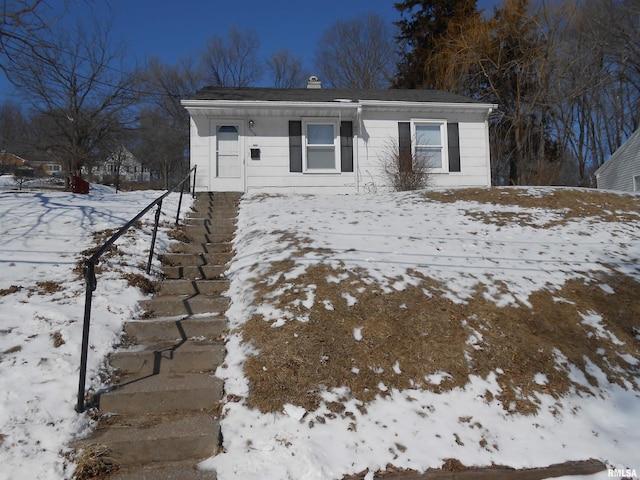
(313, 140)
(124, 163)
(622, 170)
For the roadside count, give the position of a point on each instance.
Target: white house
(312, 140)
(622, 170)
(124, 164)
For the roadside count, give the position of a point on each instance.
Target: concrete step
(205, 272)
(195, 259)
(192, 287)
(225, 228)
(163, 471)
(173, 306)
(159, 438)
(212, 218)
(202, 247)
(159, 329)
(219, 210)
(163, 393)
(218, 195)
(186, 356)
(225, 238)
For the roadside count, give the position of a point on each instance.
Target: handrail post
(153, 237)
(193, 190)
(179, 204)
(90, 282)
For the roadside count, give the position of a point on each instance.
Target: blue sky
(169, 29)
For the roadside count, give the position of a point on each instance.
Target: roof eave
(216, 104)
(202, 106)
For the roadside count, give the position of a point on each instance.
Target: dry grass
(57, 339)
(48, 287)
(411, 334)
(94, 461)
(10, 290)
(568, 203)
(140, 281)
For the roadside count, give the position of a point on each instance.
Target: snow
(42, 235)
(383, 238)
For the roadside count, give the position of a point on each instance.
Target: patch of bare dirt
(409, 335)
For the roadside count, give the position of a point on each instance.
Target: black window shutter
(453, 137)
(404, 147)
(346, 146)
(295, 146)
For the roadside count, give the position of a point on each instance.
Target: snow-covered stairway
(162, 413)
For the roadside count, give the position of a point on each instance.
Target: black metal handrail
(90, 275)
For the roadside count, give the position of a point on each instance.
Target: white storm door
(227, 152)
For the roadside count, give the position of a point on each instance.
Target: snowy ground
(42, 235)
(382, 237)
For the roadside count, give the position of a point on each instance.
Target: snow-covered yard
(307, 270)
(42, 235)
(301, 260)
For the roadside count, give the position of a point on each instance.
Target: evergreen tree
(423, 23)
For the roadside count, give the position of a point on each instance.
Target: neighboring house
(332, 140)
(123, 163)
(47, 167)
(51, 168)
(9, 162)
(622, 170)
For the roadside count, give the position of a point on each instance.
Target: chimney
(313, 82)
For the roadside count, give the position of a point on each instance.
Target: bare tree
(286, 70)
(598, 90)
(165, 85)
(357, 53)
(164, 147)
(233, 61)
(21, 24)
(79, 82)
(161, 145)
(15, 131)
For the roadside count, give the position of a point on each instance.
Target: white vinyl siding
(373, 132)
(622, 170)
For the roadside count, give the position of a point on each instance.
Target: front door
(227, 174)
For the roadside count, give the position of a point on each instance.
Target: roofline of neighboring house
(607, 164)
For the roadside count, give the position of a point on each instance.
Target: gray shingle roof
(327, 95)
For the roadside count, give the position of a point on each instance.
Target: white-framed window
(321, 141)
(431, 143)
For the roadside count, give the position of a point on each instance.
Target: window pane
(320, 134)
(321, 157)
(432, 156)
(428, 135)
